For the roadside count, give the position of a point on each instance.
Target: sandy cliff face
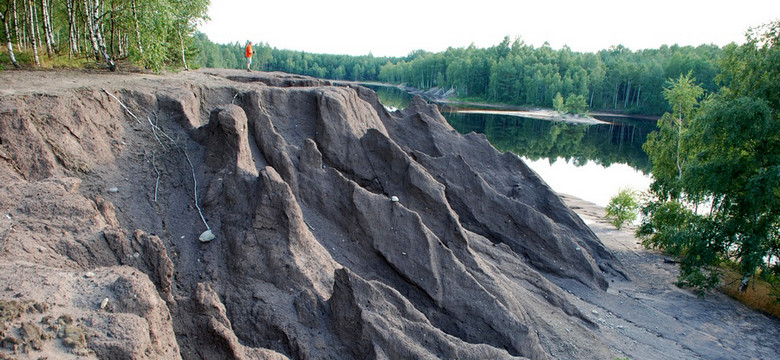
(312, 257)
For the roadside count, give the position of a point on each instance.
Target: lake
(592, 162)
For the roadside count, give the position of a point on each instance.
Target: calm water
(591, 162)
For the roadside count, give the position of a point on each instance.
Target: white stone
(207, 236)
(394, 198)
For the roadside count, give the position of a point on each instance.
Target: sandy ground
(651, 318)
(540, 114)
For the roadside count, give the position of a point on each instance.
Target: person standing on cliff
(249, 53)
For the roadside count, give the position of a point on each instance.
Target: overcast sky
(395, 28)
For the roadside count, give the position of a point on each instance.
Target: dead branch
(157, 183)
(195, 181)
(123, 106)
(154, 131)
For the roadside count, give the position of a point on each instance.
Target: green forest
(152, 34)
(512, 72)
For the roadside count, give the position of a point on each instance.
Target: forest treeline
(158, 34)
(153, 34)
(512, 72)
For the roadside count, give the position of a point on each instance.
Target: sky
(396, 28)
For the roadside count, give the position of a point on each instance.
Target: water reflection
(619, 142)
(391, 97)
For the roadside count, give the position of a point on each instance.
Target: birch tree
(9, 43)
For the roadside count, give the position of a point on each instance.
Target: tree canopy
(728, 161)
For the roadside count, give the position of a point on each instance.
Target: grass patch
(763, 293)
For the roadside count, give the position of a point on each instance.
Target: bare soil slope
(108, 180)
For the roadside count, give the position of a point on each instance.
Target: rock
(394, 198)
(206, 236)
(113, 190)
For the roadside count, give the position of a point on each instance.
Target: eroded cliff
(108, 181)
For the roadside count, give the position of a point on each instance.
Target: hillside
(342, 231)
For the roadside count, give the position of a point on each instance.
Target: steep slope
(312, 258)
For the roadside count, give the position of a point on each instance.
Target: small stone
(89, 274)
(594, 312)
(113, 190)
(394, 198)
(103, 304)
(207, 236)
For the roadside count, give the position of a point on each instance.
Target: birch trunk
(617, 86)
(31, 24)
(71, 29)
(9, 44)
(638, 92)
(183, 58)
(137, 29)
(679, 145)
(47, 31)
(91, 26)
(628, 93)
(19, 37)
(99, 37)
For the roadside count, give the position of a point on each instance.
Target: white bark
(183, 58)
(137, 29)
(32, 33)
(91, 27)
(9, 44)
(47, 31)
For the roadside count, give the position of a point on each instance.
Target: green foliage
(665, 147)
(683, 94)
(679, 231)
(558, 103)
(725, 157)
(623, 208)
(576, 104)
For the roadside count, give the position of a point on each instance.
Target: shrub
(622, 208)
